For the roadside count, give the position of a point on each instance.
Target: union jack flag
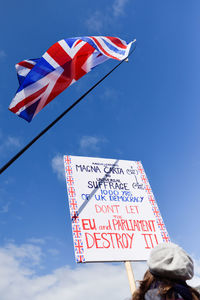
(76, 231)
(42, 79)
(165, 236)
(78, 246)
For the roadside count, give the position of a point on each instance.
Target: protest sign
(113, 210)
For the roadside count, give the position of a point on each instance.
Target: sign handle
(131, 278)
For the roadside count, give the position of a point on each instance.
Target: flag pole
(131, 278)
(15, 157)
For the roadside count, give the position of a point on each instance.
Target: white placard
(113, 210)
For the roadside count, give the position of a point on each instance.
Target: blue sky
(147, 110)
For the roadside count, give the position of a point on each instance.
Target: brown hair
(165, 289)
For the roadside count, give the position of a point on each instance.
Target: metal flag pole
(2, 169)
(131, 278)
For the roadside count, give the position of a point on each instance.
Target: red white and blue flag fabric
(42, 79)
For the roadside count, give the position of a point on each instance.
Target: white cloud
(118, 7)
(53, 252)
(4, 198)
(4, 207)
(19, 278)
(195, 281)
(110, 94)
(57, 164)
(12, 142)
(98, 20)
(90, 144)
(36, 241)
(2, 54)
(26, 254)
(8, 143)
(87, 146)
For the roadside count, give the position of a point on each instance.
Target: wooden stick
(131, 278)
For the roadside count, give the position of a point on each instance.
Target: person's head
(169, 264)
(168, 260)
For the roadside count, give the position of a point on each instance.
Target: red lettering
(150, 240)
(156, 239)
(125, 240)
(87, 241)
(109, 240)
(85, 223)
(131, 238)
(118, 238)
(132, 209)
(90, 223)
(107, 209)
(108, 246)
(97, 239)
(115, 223)
(98, 208)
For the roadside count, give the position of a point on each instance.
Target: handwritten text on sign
(113, 210)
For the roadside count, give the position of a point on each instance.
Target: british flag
(42, 79)
(165, 237)
(76, 231)
(78, 246)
